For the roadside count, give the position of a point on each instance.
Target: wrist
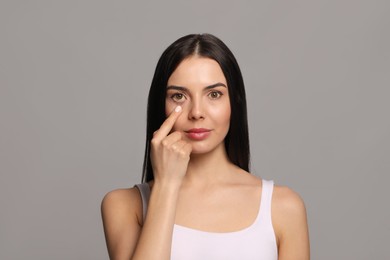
(170, 185)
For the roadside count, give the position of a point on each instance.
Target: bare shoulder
(122, 203)
(287, 201)
(288, 209)
(121, 214)
(121, 195)
(290, 222)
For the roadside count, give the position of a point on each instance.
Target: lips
(198, 133)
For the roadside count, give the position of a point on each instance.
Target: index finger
(166, 127)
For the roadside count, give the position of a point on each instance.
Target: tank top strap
(144, 190)
(266, 198)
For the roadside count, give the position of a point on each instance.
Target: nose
(196, 110)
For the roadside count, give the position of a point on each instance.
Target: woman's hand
(170, 154)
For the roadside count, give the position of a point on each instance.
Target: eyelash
(177, 97)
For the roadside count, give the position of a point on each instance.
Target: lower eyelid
(178, 101)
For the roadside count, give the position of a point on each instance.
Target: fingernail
(178, 109)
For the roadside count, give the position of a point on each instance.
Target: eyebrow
(219, 84)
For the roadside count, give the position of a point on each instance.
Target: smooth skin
(195, 185)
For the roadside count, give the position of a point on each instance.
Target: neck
(208, 168)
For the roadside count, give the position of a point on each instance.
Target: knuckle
(164, 143)
(154, 141)
(173, 148)
(183, 153)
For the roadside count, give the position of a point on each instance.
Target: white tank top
(255, 242)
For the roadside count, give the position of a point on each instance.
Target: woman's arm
(125, 237)
(122, 221)
(290, 224)
(156, 237)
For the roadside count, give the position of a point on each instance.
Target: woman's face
(199, 87)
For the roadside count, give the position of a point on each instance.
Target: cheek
(221, 114)
(168, 107)
(225, 118)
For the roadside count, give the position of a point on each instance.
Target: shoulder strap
(268, 187)
(144, 190)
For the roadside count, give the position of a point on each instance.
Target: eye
(178, 97)
(215, 94)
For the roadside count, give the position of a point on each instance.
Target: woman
(203, 204)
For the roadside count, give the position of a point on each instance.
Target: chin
(198, 148)
(199, 152)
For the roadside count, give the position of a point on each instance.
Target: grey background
(74, 77)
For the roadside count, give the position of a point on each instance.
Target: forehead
(197, 71)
